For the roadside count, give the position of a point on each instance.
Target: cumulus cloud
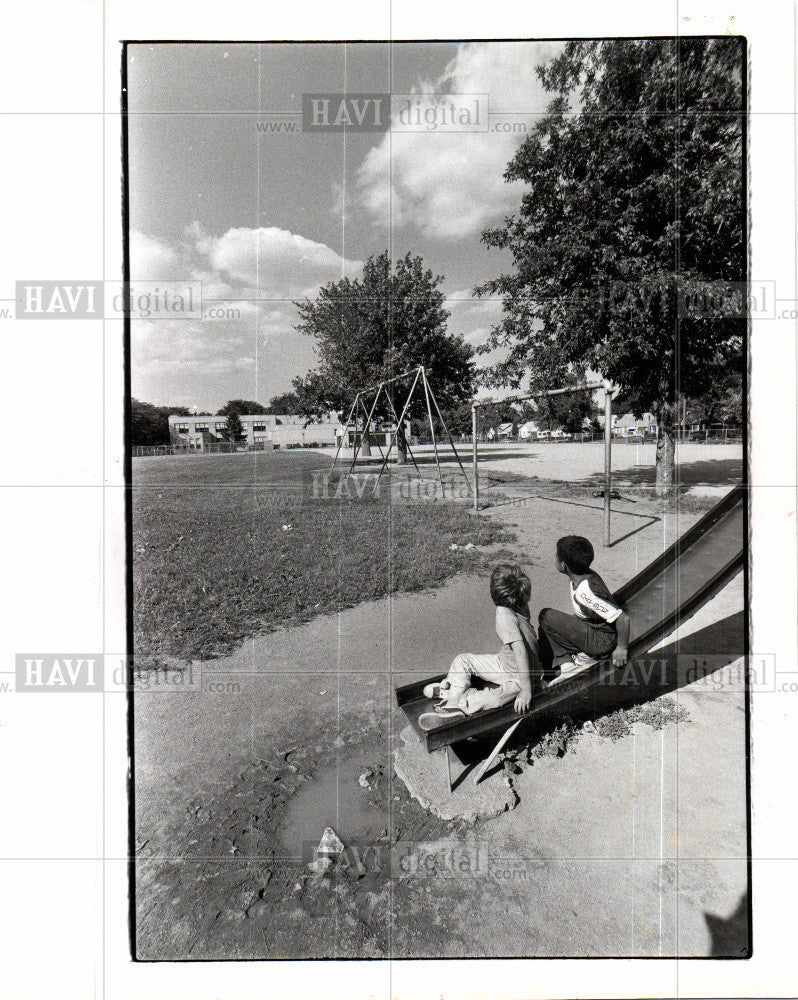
(248, 345)
(450, 184)
(151, 260)
(274, 261)
(473, 319)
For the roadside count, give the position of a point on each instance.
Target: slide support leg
(484, 767)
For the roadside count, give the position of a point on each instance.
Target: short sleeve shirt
(592, 600)
(512, 627)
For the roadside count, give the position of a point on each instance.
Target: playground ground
(630, 839)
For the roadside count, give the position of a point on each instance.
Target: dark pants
(561, 636)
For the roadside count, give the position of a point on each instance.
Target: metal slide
(667, 592)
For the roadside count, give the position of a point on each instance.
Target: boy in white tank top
(510, 669)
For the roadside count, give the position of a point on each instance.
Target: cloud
(275, 262)
(450, 184)
(151, 260)
(249, 346)
(473, 320)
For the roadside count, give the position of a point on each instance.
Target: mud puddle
(334, 797)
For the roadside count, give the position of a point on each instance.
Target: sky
(226, 189)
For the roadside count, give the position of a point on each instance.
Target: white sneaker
(567, 669)
(436, 691)
(582, 660)
(431, 720)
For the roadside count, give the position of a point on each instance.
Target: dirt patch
(564, 738)
(227, 875)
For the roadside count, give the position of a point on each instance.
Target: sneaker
(582, 660)
(567, 670)
(448, 711)
(431, 720)
(436, 691)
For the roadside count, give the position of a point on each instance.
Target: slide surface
(664, 594)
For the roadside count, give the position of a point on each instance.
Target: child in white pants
(509, 670)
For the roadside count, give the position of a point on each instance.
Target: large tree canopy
(285, 402)
(239, 406)
(149, 424)
(634, 196)
(369, 329)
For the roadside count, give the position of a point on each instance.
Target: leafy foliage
(239, 406)
(234, 431)
(634, 197)
(721, 403)
(286, 402)
(371, 328)
(149, 424)
(567, 411)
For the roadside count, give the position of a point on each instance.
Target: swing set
(364, 407)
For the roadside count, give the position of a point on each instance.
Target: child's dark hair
(576, 552)
(510, 587)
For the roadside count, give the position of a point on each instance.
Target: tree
(149, 425)
(567, 411)
(721, 403)
(458, 419)
(372, 328)
(500, 412)
(730, 410)
(234, 431)
(239, 406)
(286, 402)
(633, 202)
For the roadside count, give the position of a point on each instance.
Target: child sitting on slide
(599, 627)
(509, 671)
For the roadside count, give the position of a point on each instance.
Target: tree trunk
(401, 447)
(666, 450)
(365, 445)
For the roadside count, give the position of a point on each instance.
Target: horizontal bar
(396, 378)
(538, 395)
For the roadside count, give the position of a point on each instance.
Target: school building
(263, 430)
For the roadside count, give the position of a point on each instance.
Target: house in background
(381, 433)
(528, 431)
(628, 425)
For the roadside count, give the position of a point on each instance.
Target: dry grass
(225, 547)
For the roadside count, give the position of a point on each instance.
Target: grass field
(226, 546)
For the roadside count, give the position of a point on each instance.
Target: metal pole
(399, 423)
(346, 427)
(393, 410)
(607, 461)
(432, 428)
(449, 436)
(388, 381)
(474, 455)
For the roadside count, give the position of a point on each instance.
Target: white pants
(490, 667)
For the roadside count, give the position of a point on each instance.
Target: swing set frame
(362, 407)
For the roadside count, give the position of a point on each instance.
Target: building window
(182, 429)
(259, 427)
